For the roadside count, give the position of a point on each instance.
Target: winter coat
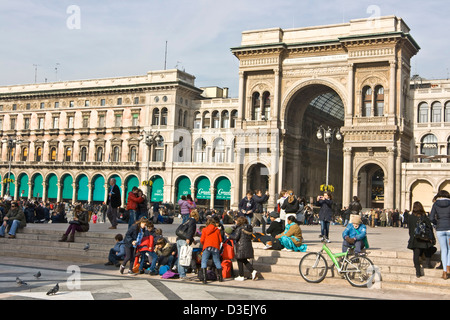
(259, 202)
(211, 237)
(166, 250)
(289, 207)
(325, 213)
(185, 206)
(133, 201)
(355, 207)
(243, 241)
(247, 205)
(358, 234)
(413, 243)
(119, 248)
(147, 242)
(440, 214)
(192, 228)
(294, 232)
(275, 227)
(17, 214)
(115, 200)
(131, 235)
(83, 218)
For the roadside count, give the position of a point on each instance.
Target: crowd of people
(145, 249)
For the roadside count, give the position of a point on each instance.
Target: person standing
(211, 240)
(440, 216)
(242, 237)
(185, 208)
(258, 214)
(187, 238)
(290, 205)
(247, 206)
(114, 202)
(418, 246)
(133, 202)
(325, 214)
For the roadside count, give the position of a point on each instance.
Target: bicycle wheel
(313, 267)
(359, 271)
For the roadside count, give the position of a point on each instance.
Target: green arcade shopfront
(82, 188)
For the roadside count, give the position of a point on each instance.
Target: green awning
(223, 189)
(203, 188)
(157, 189)
(184, 187)
(23, 186)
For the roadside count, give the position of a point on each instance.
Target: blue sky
(124, 38)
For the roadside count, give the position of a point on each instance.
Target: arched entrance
(371, 186)
(304, 165)
(98, 189)
(258, 178)
(422, 191)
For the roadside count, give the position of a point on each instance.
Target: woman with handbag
(242, 237)
(79, 223)
(420, 246)
(185, 237)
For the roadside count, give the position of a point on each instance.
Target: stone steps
(396, 268)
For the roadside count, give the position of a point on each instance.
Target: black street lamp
(12, 142)
(150, 138)
(328, 137)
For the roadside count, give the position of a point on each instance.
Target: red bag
(228, 250)
(226, 269)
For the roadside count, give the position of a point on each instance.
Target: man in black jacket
(258, 214)
(114, 202)
(247, 206)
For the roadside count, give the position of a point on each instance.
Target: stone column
(30, 190)
(389, 192)
(74, 192)
(275, 109)
(351, 94)
(58, 196)
(347, 177)
(242, 99)
(392, 87)
(212, 190)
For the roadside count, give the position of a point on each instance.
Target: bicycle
(357, 269)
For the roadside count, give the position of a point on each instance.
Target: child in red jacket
(211, 240)
(146, 247)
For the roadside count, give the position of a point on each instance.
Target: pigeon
(37, 275)
(54, 290)
(86, 247)
(20, 282)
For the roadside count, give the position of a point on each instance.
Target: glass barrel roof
(330, 103)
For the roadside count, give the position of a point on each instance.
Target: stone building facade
(353, 77)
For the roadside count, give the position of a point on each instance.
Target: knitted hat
(355, 219)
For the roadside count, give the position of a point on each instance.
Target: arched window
(116, 154)
(423, 112)
(429, 147)
(447, 112)
(164, 114)
(83, 154)
(185, 119)
(266, 105)
(53, 154)
(24, 154)
(38, 155)
(367, 102)
(99, 154)
(218, 152)
(197, 120)
(436, 111)
(225, 119)
(256, 106)
(234, 116)
(155, 117)
(159, 149)
(200, 150)
(68, 154)
(215, 120)
(133, 154)
(180, 118)
(206, 120)
(379, 101)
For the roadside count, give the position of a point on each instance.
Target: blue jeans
(324, 228)
(132, 218)
(154, 257)
(12, 231)
(443, 238)
(184, 218)
(215, 256)
(181, 269)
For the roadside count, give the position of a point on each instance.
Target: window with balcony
(133, 154)
(256, 106)
(234, 116)
(164, 115)
(379, 101)
(225, 119)
(197, 120)
(155, 117)
(116, 154)
(53, 154)
(83, 154)
(70, 121)
(429, 147)
(215, 120)
(68, 154)
(99, 154)
(218, 152)
(206, 120)
(200, 150)
(38, 154)
(266, 105)
(24, 156)
(159, 150)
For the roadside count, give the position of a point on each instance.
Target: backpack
(163, 269)
(423, 231)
